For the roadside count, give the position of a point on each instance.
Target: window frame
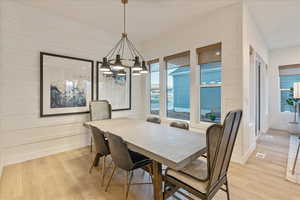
(150, 62)
(200, 85)
(281, 69)
(166, 59)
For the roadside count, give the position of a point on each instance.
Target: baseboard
(242, 159)
(248, 154)
(27, 152)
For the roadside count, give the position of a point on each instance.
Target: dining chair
(102, 150)
(99, 110)
(205, 177)
(182, 125)
(155, 120)
(127, 160)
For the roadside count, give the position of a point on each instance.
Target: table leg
(157, 181)
(296, 158)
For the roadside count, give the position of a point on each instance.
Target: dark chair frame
(155, 120)
(217, 164)
(102, 151)
(181, 125)
(127, 160)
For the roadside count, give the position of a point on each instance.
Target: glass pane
(210, 104)
(210, 73)
(287, 81)
(178, 92)
(284, 95)
(154, 89)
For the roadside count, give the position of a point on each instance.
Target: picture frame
(106, 90)
(66, 85)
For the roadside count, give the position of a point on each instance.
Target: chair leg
(227, 190)
(103, 170)
(91, 148)
(91, 168)
(110, 178)
(127, 183)
(95, 162)
(296, 159)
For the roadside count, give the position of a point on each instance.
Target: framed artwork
(115, 89)
(66, 85)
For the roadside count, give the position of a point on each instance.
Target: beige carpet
(291, 157)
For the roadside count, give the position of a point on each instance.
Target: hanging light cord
(124, 17)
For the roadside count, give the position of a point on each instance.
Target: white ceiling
(152, 17)
(278, 20)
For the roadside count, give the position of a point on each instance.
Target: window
(178, 86)
(154, 87)
(209, 60)
(289, 74)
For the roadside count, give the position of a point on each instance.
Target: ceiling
(152, 17)
(278, 20)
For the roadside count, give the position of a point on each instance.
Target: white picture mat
(62, 69)
(118, 95)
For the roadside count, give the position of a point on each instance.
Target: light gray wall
(24, 32)
(278, 57)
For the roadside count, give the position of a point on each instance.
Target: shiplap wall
(223, 25)
(24, 32)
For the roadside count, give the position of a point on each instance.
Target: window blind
(178, 60)
(210, 54)
(286, 70)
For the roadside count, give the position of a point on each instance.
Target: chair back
(120, 152)
(182, 125)
(100, 110)
(155, 120)
(220, 142)
(101, 145)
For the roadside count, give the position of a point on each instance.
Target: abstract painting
(68, 94)
(66, 85)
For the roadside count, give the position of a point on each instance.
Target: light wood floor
(65, 177)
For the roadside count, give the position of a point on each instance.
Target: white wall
(223, 25)
(252, 37)
(24, 32)
(278, 57)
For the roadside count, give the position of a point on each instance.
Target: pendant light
(118, 64)
(104, 66)
(123, 55)
(144, 68)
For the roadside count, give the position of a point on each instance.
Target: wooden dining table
(165, 145)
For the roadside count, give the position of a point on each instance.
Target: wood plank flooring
(65, 176)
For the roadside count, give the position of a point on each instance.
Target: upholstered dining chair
(127, 160)
(182, 125)
(155, 120)
(99, 110)
(102, 150)
(205, 177)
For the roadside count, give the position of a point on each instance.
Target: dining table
(165, 145)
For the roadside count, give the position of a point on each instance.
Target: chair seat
(139, 160)
(193, 175)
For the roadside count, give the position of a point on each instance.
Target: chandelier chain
(112, 51)
(130, 50)
(119, 51)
